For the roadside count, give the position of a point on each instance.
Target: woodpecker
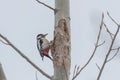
(43, 45)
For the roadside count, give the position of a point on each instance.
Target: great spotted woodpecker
(43, 46)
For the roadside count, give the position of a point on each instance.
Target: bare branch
(110, 48)
(74, 70)
(116, 48)
(98, 66)
(46, 5)
(114, 55)
(112, 19)
(96, 46)
(4, 42)
(77, 69)
(111, 34)
(25, 57)
(101, 44)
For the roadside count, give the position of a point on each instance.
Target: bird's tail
(49, 57)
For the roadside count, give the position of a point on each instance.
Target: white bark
(61, 45)
(62, 7)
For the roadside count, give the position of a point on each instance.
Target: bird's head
(39, 36)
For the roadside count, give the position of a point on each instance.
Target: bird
(43, 46)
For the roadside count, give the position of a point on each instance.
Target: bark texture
(61, 44)
(2, 75)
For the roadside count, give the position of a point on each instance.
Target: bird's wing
(49, 57)
(45, 45)
(39, 47)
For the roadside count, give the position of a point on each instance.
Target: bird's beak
(46, 34)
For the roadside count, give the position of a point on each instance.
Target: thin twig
(101, 44)
(110, 48)
(96, 46)
(115, 48)
(111, 34)
(46, 5)
(98, 66)
(112, 19)
(77, 69)
(113, 55)
(25, 57)
(74, 70)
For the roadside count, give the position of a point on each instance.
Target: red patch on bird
(45, 52)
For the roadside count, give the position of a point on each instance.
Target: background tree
(2, 75)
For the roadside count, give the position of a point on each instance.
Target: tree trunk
(61, 44)
(2, 75)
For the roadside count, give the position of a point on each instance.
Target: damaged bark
(61, 51)
(61, 44)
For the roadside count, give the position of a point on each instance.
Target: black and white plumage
(43, 46)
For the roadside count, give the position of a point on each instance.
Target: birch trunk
(61, 44)
(2, 75)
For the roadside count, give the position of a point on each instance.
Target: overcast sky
(22, 20)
